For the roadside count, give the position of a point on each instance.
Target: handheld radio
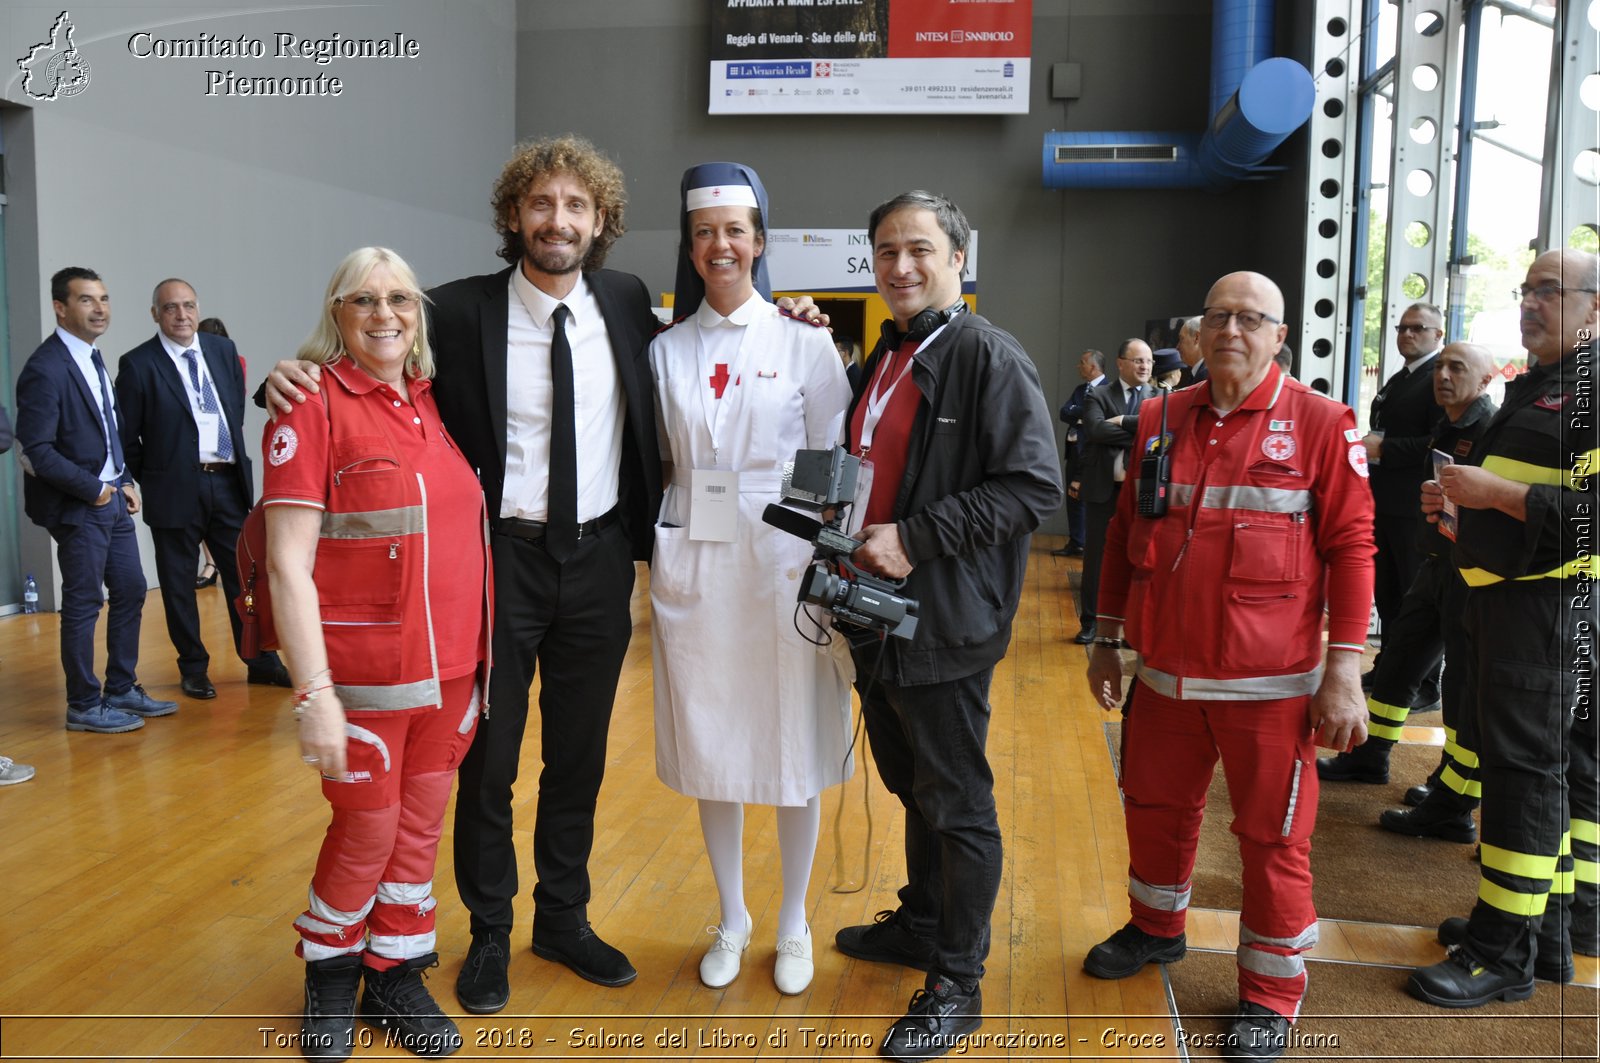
(1155, 470)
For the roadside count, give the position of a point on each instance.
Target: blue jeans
(101, 550)
(929, 744)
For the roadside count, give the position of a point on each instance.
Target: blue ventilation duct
(1256, 102)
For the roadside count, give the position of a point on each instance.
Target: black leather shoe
(1084, 637)
(269, 675)
(1256, 1033)
(1437, 817)
(482, 986)
(1417, 794)
(1462, 982)
(1129, 949)
(582, 950)
(198, 686)
(1368, 763)
(1453, 931)
(886, 940)
(936, 1022)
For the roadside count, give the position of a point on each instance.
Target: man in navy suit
(181, 394)
(76, 486)
(1110, 424)
(1092, 368)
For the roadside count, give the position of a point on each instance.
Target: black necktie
(1134, 396)
(107, 416)
(561, 529)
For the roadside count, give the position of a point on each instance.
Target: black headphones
(922, 326)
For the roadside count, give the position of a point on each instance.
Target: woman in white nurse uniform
(747, 709)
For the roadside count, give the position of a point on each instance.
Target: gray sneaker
(12, 773)
(102, 719)
(136, 701)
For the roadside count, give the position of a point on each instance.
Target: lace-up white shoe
(793, 969)
(720, 965)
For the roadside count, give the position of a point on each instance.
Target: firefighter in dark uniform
(1427, 627)
(1525, 547)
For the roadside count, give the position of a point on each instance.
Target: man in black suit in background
(181, 393)
(1110, 424)
(1092, 368)
(1402, 417)
(572, 485)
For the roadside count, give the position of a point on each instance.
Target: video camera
(826, 480)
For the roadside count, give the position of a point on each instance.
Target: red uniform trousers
(373, 887)
(1170, 752)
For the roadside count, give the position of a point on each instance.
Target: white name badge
(210, 425)
(714, 505)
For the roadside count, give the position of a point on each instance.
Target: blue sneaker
(102, 719)
(136, 701)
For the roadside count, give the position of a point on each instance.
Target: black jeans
(929, 744)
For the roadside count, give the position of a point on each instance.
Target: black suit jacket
(467, 327)
(1405, 410)
(62, 437)
(159, 436)
(1104, 440)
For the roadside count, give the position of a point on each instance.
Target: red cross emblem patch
(283, 445)
(1278, 447)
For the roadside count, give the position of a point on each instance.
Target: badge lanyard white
(712, 408)
(877, 399)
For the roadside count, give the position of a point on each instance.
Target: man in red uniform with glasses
(1268, 521)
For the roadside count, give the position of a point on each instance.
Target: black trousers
(930, 744)
(1096, 519)
(570, 623)
(1397, 563)
(219, 514)
(1532, 685)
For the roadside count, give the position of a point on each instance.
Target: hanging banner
(836, 260)
(870, 56)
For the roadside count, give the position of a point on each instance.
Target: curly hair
(537, 159)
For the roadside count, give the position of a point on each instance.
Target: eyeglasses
(1249, 320)
(1417, 328)
(1543, 292)
(399, 302)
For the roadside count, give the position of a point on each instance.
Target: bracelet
(306, 696)
(1104, 640)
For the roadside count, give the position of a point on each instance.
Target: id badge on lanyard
(714, 505)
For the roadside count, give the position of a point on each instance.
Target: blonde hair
(325, 346)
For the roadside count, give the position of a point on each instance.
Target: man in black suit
(76, 486)
(1110, 424)
(1402, 417)
(562, 585)
(181, 393)
(1194, 359)
(1092, 368)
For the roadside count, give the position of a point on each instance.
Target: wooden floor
(151, 879)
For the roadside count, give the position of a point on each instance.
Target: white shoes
(720, 964)
(793, 969)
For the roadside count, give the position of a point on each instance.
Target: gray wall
(1060, 270)
(254, 200)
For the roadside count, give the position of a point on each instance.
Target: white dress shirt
(175, 351)
(81, 357)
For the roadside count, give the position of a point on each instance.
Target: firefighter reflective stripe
(1522, 905)
(1458, 783)
(1524, 472)
(387, 698)
(1161, 898)
(1270, 963)
(1588, 567)
(1585, 831)
(1564, 881)
(1385, 721)
(1244, 496)
(412, 893)
(1255, 688)
(1306, 939)
(1458, 752)
(1523, 865)
(373, 524)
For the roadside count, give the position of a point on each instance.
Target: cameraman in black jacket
(954, 423)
